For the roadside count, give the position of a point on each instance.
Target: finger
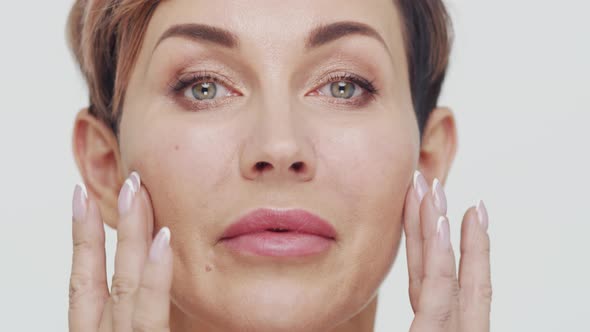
(88, 285)
(433, 205)
(414, 240)
(153, 297)
(131, 252)
(438, 301)
(474, 271)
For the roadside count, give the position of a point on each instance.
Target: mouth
(279, 233)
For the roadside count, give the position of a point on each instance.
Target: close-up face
(312, 119)
(302, 105)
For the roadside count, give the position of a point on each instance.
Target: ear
(96, 152)
(439, 145)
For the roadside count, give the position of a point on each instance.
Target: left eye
(341, 89)
(206, 91)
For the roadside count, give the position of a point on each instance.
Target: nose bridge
(277, 128)
(277, 145)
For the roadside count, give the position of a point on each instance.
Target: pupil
(204, 91)
(342, 89)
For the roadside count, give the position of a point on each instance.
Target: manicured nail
(161, 242)
(443, 232)
(420, 185)
(79, 202)
(440, 199)
(482, 214)
(126, 197)
(135, 180)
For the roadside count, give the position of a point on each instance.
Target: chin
(273, 304)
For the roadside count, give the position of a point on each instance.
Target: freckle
(176, 147)
(208, 268)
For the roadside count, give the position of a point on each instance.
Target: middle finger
(131, 252)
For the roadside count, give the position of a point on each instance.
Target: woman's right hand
(139, 299)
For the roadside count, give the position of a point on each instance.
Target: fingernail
(79, 202)
(440, 199)
(128, 191)
(161, 242)
(135, 180)
(443, 232)
(482, 214)
(420, 185)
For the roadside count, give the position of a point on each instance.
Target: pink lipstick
(280, 233)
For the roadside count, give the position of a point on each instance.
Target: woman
(273, 151)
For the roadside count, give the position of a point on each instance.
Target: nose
(278, 147)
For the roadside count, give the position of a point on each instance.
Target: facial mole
(207, 268)
(176, 147)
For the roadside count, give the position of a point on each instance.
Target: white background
(519, 83)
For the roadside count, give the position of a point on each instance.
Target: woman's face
(275, 95)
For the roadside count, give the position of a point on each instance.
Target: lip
(278, 232)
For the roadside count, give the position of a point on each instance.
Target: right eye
(206, 90)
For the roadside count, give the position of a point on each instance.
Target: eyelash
(181, 83)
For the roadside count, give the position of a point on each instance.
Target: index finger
(88, 284)
(414, 238)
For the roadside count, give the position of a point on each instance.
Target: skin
(198, 173)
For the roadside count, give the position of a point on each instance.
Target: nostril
(261, 165)
(298, 166)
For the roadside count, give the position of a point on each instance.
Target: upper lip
(292, 220)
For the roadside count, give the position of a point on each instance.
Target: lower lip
(279, 244)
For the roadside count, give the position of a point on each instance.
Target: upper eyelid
(183, 81)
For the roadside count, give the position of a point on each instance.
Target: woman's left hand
(441, 300)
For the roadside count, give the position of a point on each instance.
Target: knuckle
(440, 316)
(440, 311)
(122, 286)
(479, 291)
(81, 286)
(484, 291)
(83, 245)
(146, 323)
(443, 317)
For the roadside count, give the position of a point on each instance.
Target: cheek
(372, 169)
(182, 168)
(370, 162)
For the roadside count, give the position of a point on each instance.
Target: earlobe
(96, 152)
(439, 144)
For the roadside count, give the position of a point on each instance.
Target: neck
(363, 321)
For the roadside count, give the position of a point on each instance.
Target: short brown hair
(106, 35)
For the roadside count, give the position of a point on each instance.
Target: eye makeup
(179, 86)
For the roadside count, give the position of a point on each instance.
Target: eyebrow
(325, 34)
(202, 32)
(318, 36)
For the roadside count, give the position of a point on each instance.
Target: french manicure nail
(135, 180)
(482, 214)
(440, 199)
(420, 185)
(443, 232)
(79, 202)
(159, 244)
(126, 197)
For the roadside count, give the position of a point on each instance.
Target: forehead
(262, 23)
